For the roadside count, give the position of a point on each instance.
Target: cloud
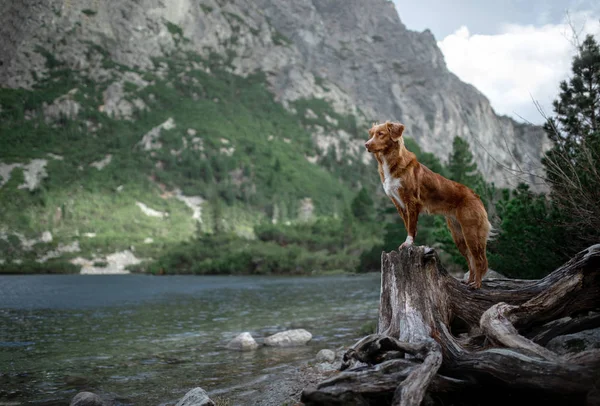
(520, 63)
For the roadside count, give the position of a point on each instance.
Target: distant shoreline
(67, 268)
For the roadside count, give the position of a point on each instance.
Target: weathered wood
(430, 323)
(372, 385)
(412, 390)
(496, 326)
(566, 325)
(372, 348)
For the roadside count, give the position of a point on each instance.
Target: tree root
(436, 337)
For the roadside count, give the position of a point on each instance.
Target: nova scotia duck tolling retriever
(414, 188)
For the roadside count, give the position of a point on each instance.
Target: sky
(513, 51)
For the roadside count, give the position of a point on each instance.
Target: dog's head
(384, 136)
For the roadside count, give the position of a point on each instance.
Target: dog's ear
(395, 130)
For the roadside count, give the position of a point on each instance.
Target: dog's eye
(380, 134)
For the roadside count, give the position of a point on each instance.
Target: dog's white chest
(391, 185)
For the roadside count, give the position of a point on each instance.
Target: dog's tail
(492, 232)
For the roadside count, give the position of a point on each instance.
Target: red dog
(414, 188)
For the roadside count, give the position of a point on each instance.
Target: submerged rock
(243, 342)
(326, 356)
(75, 380)
(87, 399)
(289, 338)
(328, 367)
(196, 397)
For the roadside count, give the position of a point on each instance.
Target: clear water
(146, 340)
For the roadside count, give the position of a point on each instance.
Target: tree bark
(438, 340)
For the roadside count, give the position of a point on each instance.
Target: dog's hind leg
(461, 244)
(475, 228)
(477, 251)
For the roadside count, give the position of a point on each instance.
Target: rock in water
(326, 356)
(87, 399)
(75, 380)
(196, 397)
(289, 338)
(243, 342)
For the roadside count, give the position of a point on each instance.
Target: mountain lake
(147, 340)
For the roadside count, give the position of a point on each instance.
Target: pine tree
(529, 244)
(461, 164)
(362, 206)
(573, 163)
(577, 108)
(348, 227)
(217, 214)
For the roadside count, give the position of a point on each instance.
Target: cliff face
(390, 72)
(356, 55)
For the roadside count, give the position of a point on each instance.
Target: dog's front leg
(402, 213)
(412, 216)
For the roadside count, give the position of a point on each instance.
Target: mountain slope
(131, 124)
(110, 184)
(358, 56)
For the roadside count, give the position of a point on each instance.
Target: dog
(414, 188)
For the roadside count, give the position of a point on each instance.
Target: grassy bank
(326, 245)
(232, 145)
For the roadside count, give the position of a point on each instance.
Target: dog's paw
(407, 243)
(473, 285)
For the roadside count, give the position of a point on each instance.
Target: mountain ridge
(359, 58)
(131, 110)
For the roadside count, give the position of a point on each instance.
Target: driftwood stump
(438, 342)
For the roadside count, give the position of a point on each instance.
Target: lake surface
(147, 340)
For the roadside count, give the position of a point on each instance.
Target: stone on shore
(87, 399)
(243, 342)
(196, 397)
(289, 338)
(326, 356)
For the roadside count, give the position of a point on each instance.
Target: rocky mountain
(134, 124)
(357, 56)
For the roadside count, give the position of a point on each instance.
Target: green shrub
(53, 266)
(174, 29)
(529, 235)
(323, 245)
